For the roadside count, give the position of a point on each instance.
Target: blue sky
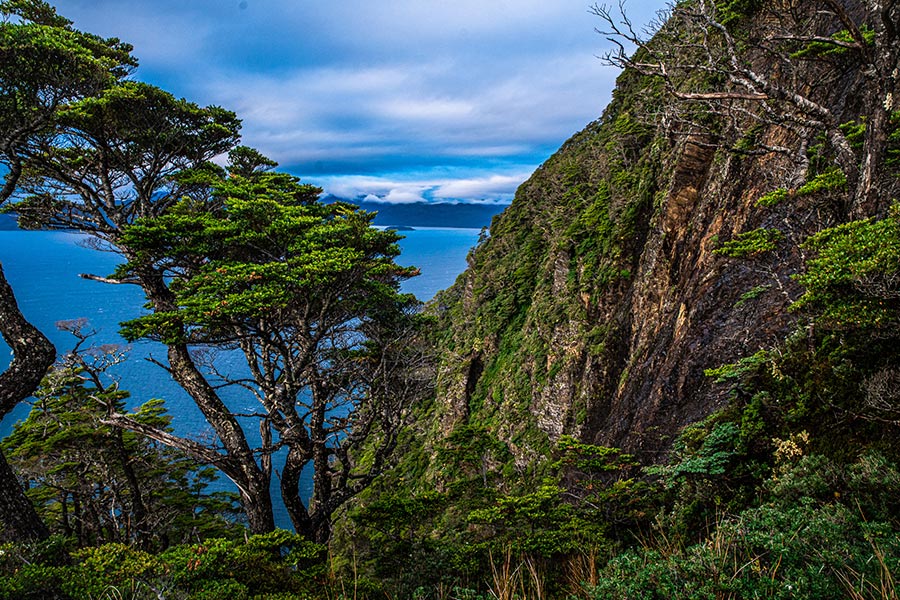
(402, 100)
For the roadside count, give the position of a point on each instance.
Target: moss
(751, 294)
(774, 197)
(750, 243)
(735, 13)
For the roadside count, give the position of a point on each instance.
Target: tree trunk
(868, 197)
(20, 522)
(290, 493)
(32, 351)
(880, 101)
(32, 356)
(138, 517)
(251, 479)
(256, 498)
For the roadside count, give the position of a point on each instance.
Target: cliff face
(598, 300)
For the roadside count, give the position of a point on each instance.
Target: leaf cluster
(98, 483)
(853, 281)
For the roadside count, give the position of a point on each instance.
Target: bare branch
(109, 280)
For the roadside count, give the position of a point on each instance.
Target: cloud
(491, 189)
(329, 121)
(429, 100)
(495, 188)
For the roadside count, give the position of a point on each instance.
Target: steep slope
(633, 260)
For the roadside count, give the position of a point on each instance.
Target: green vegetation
(853, 280)
(784, 482)
(750, 243)
(817, 49)
(277, 565)
(96, 483)
(831, 180)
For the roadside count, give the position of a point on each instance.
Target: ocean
(43, 269)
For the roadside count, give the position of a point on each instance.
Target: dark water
(43, 269)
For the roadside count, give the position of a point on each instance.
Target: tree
(134, 151)
(98, 483)
(309, 295)
(778, 75)
(134, 156)
(45, 65)
(853, 281)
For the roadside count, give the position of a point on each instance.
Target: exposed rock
(598, 300)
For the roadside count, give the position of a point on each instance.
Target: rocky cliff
(637, 257)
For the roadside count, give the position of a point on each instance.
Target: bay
(43, 269)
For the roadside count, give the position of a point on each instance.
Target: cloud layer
(403, 100)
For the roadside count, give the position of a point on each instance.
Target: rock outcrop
(599, 299)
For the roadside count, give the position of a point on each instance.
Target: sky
(389, 100)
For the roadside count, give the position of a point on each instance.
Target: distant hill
(426, 214)
(419, 214)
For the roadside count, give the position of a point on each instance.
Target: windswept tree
(246, 260)
(777, 77)
(45, 66)
(309, 295)
(97, 483)
(134, 151)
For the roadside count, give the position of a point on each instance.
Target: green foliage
(818, 49)
(893, 150)
(749, 141)
(271, 251)
(774, 197)
(47, 63)
(537, 523)
(718, 449)
(471, 452)
(276, 565)
(731, 13)
(311, 294)
(830, 180)
(851, 281)
(750, 243)
(102, 140)
(814, 537)
(98, 483)
(752, 294)
(804, 552)
(415, 545)
(738, 370)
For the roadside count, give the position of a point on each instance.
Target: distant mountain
(427, 214)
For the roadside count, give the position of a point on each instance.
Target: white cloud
(393, 87)
(494, 187)
(472, 187)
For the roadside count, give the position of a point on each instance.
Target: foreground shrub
(805, 548)
(275, 565)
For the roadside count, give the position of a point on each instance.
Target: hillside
(603, 293)
(681, 337)
(670, 371)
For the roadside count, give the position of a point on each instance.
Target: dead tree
(777, 68)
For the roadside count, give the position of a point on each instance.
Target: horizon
(398, 103)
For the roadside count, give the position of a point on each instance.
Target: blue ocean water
(43, 269)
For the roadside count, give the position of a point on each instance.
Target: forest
(671, 369)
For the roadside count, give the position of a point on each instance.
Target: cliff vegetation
(671, 370)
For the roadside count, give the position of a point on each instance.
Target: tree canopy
(309, 295)
(45, 66)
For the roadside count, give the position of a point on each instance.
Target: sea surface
(43, 269)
